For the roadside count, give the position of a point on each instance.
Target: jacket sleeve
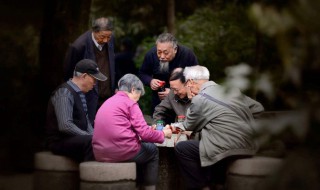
(195, 120)
(71, 59)
(164, 110)
(254, 106)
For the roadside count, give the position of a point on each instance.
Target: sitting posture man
(222, 125)
(177, 101)
(69, 130)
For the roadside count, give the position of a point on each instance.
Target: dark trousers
(195, 176)
(147, 161)
(78, 148)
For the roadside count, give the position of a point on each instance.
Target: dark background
(35, 34)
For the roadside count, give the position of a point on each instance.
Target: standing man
(98, 45)
(222, 124)
(160, 61)
(177, 101)
(68, 128)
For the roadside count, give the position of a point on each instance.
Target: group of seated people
(218, 121)
(221, 123)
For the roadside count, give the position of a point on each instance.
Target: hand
(164, 94)
(188, 133)
(154, 126)
(155, 84)
(167, 131)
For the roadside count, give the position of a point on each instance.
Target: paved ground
(16, 181)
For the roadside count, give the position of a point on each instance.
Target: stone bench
(103, 175)
(252, 173)
(55, 172)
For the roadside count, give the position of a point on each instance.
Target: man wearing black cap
(96, 44)
(68, 128)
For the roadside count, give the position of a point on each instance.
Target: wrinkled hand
(155, 84)
(167, 131)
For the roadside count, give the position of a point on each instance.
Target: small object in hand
(161, 87)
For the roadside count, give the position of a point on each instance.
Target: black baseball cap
(90, 67)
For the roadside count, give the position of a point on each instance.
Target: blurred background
(275, 44)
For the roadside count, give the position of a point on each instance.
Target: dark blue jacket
(150, 68)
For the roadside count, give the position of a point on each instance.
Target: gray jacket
(223, 132)
(170, 108)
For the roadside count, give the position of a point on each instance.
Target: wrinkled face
(102, 37)
(166, 52)
(178, 88)
(193, 86)
(88, 82)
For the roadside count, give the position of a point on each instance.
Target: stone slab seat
(94, 171)
(253, 173)
(46, 160)
(255, 166)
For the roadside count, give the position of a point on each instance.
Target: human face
(178, 88)
(193, 86)
(166, 52)
(135, 95)
(102, 37)
(88, 82)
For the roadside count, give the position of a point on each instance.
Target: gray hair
(102, 24)
(129, 81)
(196, 72)
(167, 37)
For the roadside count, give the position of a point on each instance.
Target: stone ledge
(106, 172)
(255, 166)
(47, 161)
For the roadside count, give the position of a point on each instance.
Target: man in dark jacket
(68, 129)
(98, 45)
(177, 101)
(160, 61)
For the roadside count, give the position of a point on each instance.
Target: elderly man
(160, 61)
(222, 125)
(98, 45)
(177, 102)
(69, 130)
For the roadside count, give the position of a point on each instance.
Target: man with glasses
(160, 61)
(96, 44)
(177, 102)
(68, 127)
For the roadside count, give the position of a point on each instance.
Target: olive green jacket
(223, 132)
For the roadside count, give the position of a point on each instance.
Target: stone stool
(252, 173)
(103, 175)
(55, 172)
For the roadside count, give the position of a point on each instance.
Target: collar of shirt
(184, 100)
(96, 43)
(74, 86)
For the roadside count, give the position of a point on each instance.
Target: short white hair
(196, 72)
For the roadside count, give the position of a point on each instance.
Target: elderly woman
(122, 135)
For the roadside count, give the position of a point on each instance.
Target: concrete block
(107, 172)
(47, 161)
(255, 166)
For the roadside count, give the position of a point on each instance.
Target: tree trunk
(171, 16)
(63, 21)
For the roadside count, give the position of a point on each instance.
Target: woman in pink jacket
(122, 135)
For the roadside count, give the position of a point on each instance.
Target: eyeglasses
(175, 90)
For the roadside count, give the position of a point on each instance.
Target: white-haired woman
(121, 134)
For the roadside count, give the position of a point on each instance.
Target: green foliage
(146, 45)
(219, 38)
